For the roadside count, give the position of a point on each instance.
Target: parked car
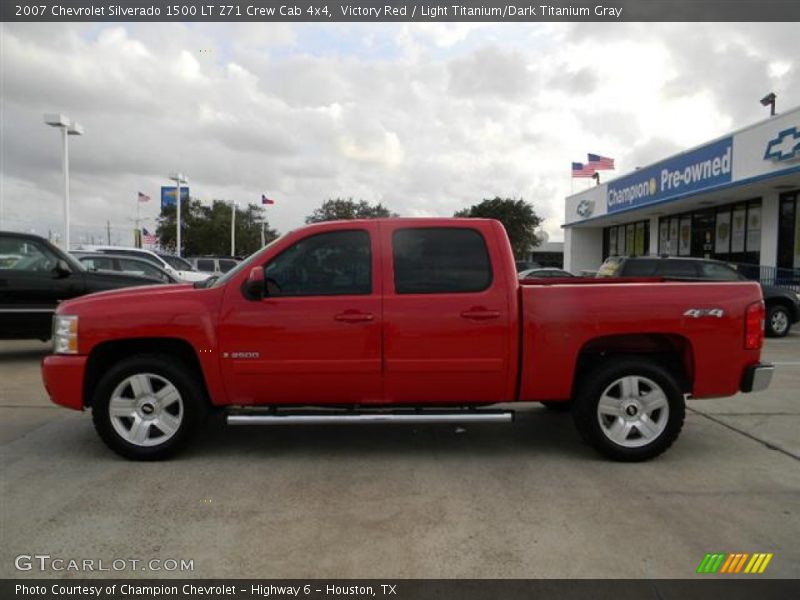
(217, 265)
(525, 265)
(187, 273)
(131, 265)
(405, 321)
(35, 276)
(544, 272)
(783, 306)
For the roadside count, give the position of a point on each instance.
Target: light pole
(178, 178)
(233, 227)
(67, 128)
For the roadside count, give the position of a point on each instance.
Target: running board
(377, 417)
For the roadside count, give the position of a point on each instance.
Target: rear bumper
(63, 379)
(757, 377)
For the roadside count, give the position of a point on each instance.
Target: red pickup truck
(402, 320)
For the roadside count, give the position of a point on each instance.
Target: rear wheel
(629, 410)
(146, 407)
(778, 321)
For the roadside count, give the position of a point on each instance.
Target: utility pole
(233, 227)
(108, 231)
(262, 234)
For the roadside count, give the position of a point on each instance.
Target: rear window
(718, 272)
(440, 261)
(640, 268)
(678, 268)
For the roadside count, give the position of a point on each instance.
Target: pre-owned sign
(693, 171)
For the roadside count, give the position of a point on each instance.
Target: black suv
(35, 276)
(783, 306)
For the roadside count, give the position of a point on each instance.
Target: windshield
(245, 264)
(177, 262)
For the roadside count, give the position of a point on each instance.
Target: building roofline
(693, 148)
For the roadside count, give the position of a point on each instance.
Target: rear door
(447, 316)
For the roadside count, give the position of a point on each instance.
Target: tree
(335, 209)
(517, 216)
(207, 229)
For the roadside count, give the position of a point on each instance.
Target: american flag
(265, 200)
(581, 170)
(143, 197)
(148, 238)
(600, 163)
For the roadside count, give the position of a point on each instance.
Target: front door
(315, 338)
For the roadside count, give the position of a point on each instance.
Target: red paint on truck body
(507, 342)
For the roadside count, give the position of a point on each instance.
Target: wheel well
(783, 302)
(107, 354)
(673, 352)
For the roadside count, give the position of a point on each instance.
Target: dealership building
(735, 198)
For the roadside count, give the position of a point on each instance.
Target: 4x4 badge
(704, 312)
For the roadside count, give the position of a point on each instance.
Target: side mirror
(255, 287)
(62, 268)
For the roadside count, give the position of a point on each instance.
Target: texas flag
(265, 200)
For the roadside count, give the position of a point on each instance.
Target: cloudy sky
(425, 118)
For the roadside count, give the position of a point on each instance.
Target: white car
(182, 269)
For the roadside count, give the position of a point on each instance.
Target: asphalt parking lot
(523, 500)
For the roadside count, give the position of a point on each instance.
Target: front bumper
(63, 379)
(757, 377)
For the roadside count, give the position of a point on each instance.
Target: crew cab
(409, 321)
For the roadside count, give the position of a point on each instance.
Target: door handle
(480, 314)
(353, 316)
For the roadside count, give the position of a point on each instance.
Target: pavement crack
(745, 433)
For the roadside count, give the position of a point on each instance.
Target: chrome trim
(28, 310)
(295, 419)
(762, 377)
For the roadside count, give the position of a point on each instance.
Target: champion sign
(701, 169)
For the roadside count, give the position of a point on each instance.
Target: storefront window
(632, 239)
(731, 233)
(789, 231)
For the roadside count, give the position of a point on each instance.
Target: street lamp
(178, 178)
(233, 227)
(67, 128)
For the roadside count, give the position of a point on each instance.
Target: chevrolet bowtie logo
(785, 146)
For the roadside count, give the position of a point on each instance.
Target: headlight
(65, 334)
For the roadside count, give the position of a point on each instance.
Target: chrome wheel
(146, 409)
(633, 411)
(779, 322)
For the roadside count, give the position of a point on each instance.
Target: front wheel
(146, 407)
(629, 410)
(778, 321)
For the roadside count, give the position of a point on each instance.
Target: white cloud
(427, 118)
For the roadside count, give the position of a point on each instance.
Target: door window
(205, 264)
(440, 260)
(226, 265)
(25, 255)
(325, 264)
(140, 267)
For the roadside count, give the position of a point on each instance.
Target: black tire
(607, 380)
(188, 411)
(778, 322)
(559, 407)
